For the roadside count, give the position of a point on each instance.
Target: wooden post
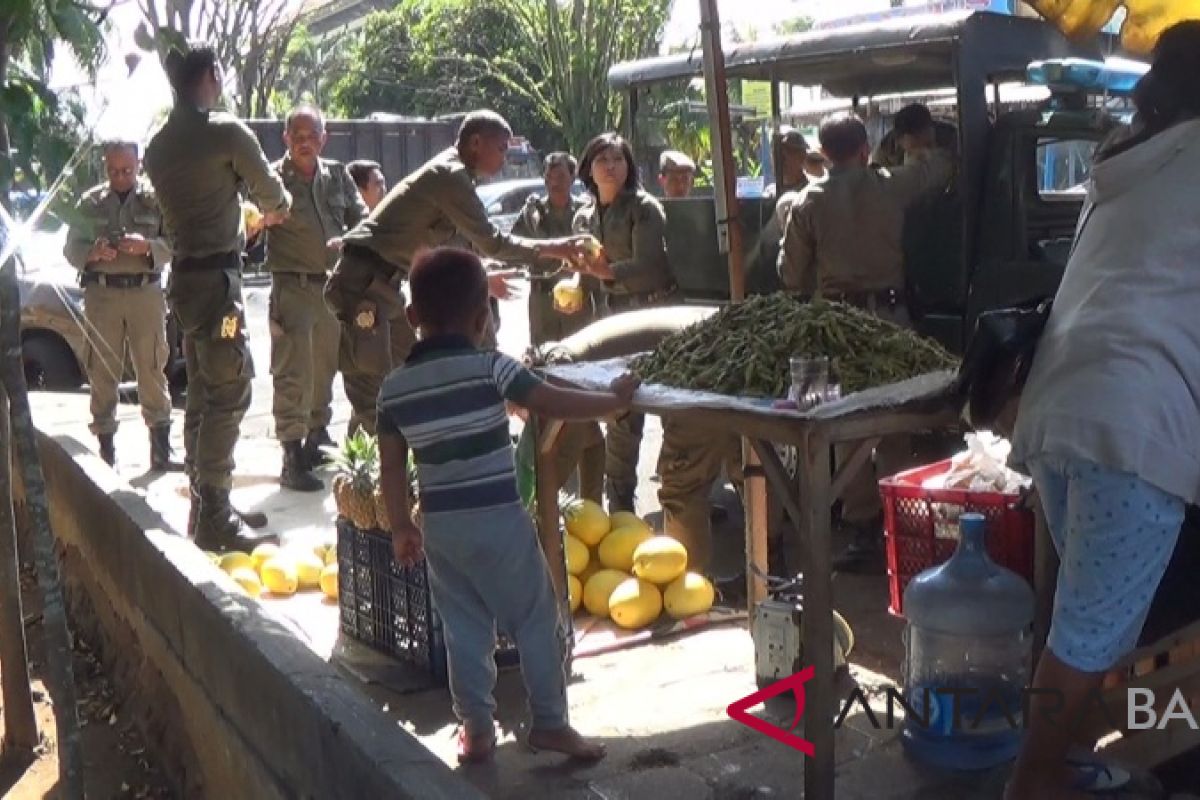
(820, 706)
(20, 724)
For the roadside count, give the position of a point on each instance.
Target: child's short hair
(448, 285)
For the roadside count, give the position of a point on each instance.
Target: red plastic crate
(921, 528)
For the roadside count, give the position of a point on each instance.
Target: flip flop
(255, 519)
(1095, 776)
(475, 749)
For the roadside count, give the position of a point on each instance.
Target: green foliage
(309, 71)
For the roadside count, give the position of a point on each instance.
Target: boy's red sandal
(475, 749)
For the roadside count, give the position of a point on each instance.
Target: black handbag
(998, 358)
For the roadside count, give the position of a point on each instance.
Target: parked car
(53, 331)
(505, 199)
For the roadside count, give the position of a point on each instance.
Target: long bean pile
(744, 349)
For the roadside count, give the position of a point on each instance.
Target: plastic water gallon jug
(968, 649)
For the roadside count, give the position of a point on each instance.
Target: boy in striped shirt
(486, 566)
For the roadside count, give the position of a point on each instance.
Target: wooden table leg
(820, 707)
(755, 500)
(546, 433)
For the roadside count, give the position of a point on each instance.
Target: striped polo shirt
(447, 401)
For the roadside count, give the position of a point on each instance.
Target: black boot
(108, 450)
(295, 474)
(218, 526)
(314, 455)
(160, 450)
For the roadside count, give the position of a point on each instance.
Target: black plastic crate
(388, 607)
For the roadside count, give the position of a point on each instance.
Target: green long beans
(744, 349)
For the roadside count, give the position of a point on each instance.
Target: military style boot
(218, 527)
(295, 473)
(108, 450)
(314, 455)
(160, 450)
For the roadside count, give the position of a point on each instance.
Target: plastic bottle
(968, 649)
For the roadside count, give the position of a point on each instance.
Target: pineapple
(381, 515)
(357, 464)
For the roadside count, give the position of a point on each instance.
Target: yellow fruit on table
(264, 553)
(660, 560)
(279, 576)
(593, 566)
(247, 578)
(586, 521)
(308, 570)
(329, 581)
(319, 550)
(628, 519)
(635, 603)
(235, 560)
(577, 554)
(574, 592)
(616, 551)
(331, 555)
(689, 595)
(599, 587)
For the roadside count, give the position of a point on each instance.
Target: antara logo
(793, 683)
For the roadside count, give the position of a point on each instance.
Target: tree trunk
(20, 725)
(59, 678)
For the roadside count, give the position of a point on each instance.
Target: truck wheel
(49, 363)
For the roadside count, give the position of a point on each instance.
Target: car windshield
(491, 192)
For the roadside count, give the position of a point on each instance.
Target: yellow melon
(689, 595)
(331, 555)
(308, 570)
(635, 603)
(247, 578)
(599, 587)
(586, 521)
(329, 580)
(628, 519)
(279, 576)
(574, 592)
(577, 554)
(264, 553)
(616, 551)
(660, 560)
(235, 560)
(593, 566)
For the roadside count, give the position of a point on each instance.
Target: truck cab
(1001, 233)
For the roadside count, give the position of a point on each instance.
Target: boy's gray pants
(486, 568)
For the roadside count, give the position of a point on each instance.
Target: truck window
(1063, 167)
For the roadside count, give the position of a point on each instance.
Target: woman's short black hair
(448, 285)
(361, 170)
(597, 146)
(186, 68)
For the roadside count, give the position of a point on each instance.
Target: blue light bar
(1113, 75)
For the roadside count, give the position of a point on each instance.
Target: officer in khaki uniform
(197, 160)
(118, 244)
(426, 209)
(581, 444)
(843, 240)
(631, 226)
(304, 334)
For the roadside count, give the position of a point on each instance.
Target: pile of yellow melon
(282, 572)
(617, 568)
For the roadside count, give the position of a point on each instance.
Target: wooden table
(924, 404)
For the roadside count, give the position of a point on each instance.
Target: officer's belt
(116, 280)
(644, 298)
(303, 278)
(369, 257)
(871, 300)
(216, 261)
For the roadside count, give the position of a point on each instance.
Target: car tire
(49, 363)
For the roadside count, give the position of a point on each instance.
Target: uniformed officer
(843, 241)
(676, 174)
(913, 130)
(304, 334)
(581, 444)
(368, 177)
(633, 268)
(426, 209)
(197, 160)
(798, 166)
(119, 245)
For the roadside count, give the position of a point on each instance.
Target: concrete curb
(241, 706)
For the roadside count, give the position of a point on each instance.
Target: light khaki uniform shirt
(427, 209)
(197, 162)
(540, 220)
(633, 230)
(104, 214)
(845, 234)
(323, 208)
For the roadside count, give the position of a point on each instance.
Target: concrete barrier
(234, 701)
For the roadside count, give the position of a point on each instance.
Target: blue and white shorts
(1114, 534)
